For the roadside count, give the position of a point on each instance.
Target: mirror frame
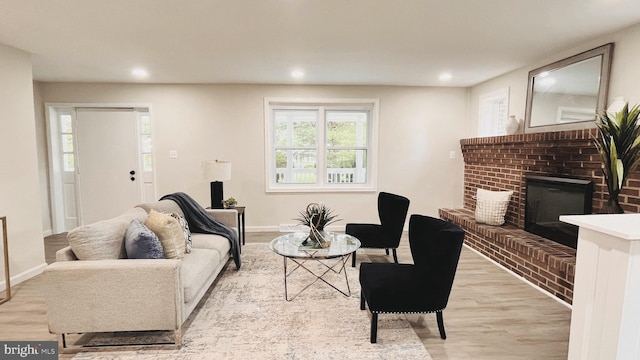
(606, 51)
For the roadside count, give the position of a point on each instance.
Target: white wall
(19, 187)
(418, 128)
(623, 81)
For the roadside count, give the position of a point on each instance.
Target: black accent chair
(392, 210)
(422, 287)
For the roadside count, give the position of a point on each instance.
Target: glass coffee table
(333, 258)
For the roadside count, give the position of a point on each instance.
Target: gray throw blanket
(201, 222)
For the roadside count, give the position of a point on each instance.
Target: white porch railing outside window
(306, 176)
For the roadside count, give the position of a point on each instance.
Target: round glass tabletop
(290, 245)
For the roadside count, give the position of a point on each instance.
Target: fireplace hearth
(503, 163)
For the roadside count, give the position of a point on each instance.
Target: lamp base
(216, 195)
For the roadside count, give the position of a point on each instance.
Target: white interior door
(108, 164)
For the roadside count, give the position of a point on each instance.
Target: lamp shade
(216, 170)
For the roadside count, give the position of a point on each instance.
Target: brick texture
(502, 163)
(545, 263)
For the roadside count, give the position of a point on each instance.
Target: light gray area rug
(246, 316)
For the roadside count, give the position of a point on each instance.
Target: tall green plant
(618, 143)
(317, 216)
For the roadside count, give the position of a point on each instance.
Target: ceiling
(359, 42)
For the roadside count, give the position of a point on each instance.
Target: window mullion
(321, 146)
(289, 170)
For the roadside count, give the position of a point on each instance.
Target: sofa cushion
(103, 239)
(197, 268)
(211, 241)
(169, 232)
(142, 243)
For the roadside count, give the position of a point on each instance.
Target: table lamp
(216, 171)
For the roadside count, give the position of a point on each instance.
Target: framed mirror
(567, 94)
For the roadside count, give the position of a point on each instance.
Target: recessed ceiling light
(297, 74)
(445, 77)
(140, 73)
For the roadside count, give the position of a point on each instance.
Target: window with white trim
(320, 144)
(494, 110)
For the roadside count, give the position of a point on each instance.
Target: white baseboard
(520, 277)
(289, 228)
(292, 228)
(273, 228)
(23, 276)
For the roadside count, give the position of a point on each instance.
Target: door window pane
(65, 124)
(67, 143)
(66, 137)
(146, 142)
(68, 162)
(145, 122)
(147, 162)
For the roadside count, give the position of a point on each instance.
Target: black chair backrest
(435, 247)
(392, 210)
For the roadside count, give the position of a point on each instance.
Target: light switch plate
(173, 154)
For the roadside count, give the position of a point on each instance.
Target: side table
(7, 277)
(240, 210)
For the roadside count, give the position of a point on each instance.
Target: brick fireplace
(502, 163)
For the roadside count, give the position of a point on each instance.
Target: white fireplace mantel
(606, 297)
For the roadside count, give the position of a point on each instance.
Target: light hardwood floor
(491, 314)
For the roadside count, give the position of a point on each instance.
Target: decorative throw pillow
(169, 232)
(103, 239)
(142, 243)
(491, 206)
(185, 228)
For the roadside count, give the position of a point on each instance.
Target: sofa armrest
(113, 295)
(65, 254)
(229, 217)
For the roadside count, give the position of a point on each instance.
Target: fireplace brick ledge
(545, 263)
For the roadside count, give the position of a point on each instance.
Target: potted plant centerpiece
(618, 143)
(316, 217)
(230, 203)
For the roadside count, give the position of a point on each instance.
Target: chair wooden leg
(353, 259)
(361, 300)
(374, 328)
(441, 325)
(395, 256)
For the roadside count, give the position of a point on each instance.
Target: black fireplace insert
(549, 197)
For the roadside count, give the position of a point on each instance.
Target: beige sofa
(113, 295)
